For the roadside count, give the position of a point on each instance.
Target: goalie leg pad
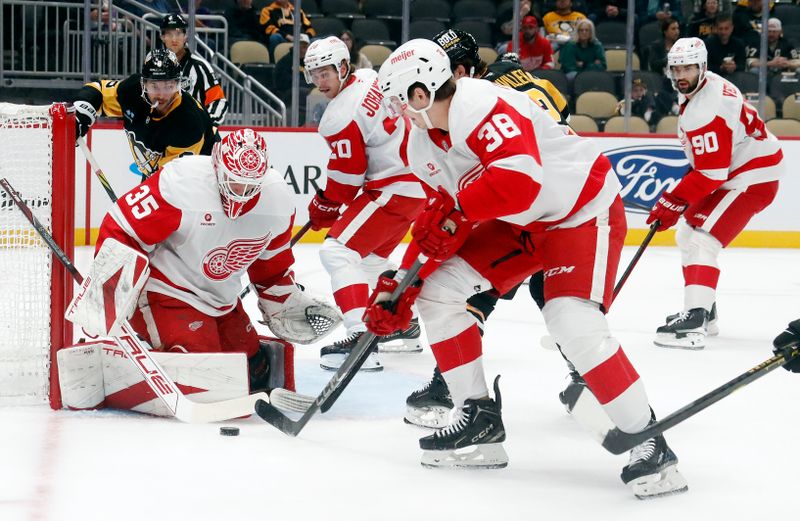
(80, 375)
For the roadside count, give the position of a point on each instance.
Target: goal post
(37, 156)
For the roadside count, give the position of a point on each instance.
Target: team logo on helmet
(243, 153)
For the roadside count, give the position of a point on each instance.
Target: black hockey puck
(229, 431)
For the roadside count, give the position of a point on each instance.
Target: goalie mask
(161, 75)
(240, 163)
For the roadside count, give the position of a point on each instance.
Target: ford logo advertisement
(647, 170)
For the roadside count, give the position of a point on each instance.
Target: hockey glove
(85, 116)
(322, 212)
(441, 229)
(667, 211)
(786, 342)
(381, 317)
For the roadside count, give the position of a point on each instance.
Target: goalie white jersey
(725, 139)
(368, 148)
(505, 158)
(197, 254)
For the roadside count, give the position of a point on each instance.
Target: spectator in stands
(560, 23)
(283, 77)
(584, 52)
(242, 20)
(659, 10)
(747, 19)
(643, 104)
(654, 56)
(614, 11)
(357, 58)
(701, 24)
(505, 22)
(535, 51)
(726, 53)
(277, 22)
(781, 55)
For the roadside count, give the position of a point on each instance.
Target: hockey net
(37, 156)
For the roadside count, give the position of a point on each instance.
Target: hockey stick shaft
(333, 389)
(98, 172)
(617, 442)
(138, 353)
(635, 259)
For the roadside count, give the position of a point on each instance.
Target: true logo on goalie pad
(109, 292)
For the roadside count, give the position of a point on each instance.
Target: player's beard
(691, 86)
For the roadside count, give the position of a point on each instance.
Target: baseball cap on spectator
(773, 24)
(530, 20)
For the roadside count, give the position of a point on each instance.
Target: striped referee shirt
(200, 81)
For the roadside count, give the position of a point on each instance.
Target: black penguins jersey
(185, 129)
(539, 90)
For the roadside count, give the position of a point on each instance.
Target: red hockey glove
(322, 212)
(383, 319)
(440, 230)
(667, 211)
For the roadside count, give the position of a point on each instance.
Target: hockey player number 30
(141, 202)
(499, 127)
(703, 143)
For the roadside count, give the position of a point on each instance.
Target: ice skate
(430, 406)
(405, 341)
(712, 329)
(569, 396)
(652, 470)
(684, 330)
(474, 439)
(333, 356)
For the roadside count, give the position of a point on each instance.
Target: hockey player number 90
(501, 126)
(703, 143)
(141, 202)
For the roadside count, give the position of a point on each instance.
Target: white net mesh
(26, 161)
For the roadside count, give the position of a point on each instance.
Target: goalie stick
(334, 388)
(617, 441)
(159, 381)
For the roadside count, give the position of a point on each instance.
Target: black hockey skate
(474, 438)
(684, 330)
(405, 341)
(713, 328)
(577, 385)
(429, 406)
(652, 470)
(333, 356)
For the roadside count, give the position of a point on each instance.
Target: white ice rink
(361, 462)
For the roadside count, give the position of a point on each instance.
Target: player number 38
(141, 202)
(496, 129)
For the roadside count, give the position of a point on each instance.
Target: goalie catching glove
(293, 315)
(381, 317)
(107, 297)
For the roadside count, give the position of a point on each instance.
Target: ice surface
(361, 462)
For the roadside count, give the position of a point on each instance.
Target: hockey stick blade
(333, 389)
(289, 400)
(618, 442)
(153, 374)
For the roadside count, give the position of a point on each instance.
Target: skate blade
(403, 345)
(668, 482)
(333, 362)
(429, 417)
(690, 341)
(485, 456)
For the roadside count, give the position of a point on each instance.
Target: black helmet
(173, 21)
(161, 64)
(459, 46)
(509, 57)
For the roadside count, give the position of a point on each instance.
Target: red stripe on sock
(697, 274)
(458, 350)
(351, 297)
(611, 378)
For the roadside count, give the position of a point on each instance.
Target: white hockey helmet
(416, 61)
(240, 163)
(688, 51)
(324, 52)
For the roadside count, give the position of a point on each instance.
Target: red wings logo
(220, 263)
(470, 176)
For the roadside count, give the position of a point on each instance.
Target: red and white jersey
(197, 254)
(506, 158)
(724, 138)
(367, 146)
